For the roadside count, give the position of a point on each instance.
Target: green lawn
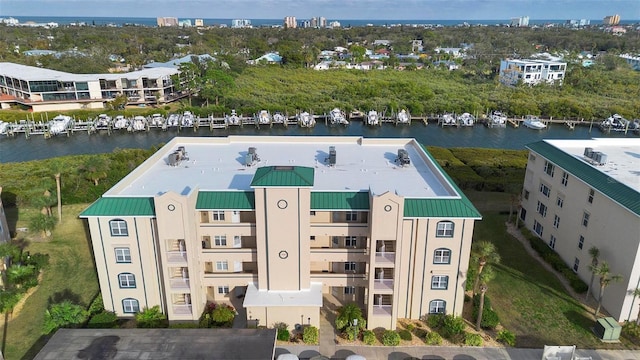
(70, 275)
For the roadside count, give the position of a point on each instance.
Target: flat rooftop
(216, 344)
(308, 297)
(218, 164)
(32, 73)
(623, 157)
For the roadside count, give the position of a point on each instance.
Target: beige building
(583, 193)
(290, 22)
(273, 225)
(611, 20)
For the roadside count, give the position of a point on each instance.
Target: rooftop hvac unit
(332, 156)
(588, 152)
(252, 150)
(602, 160)
(403, 157)
(174, 159)
(252, 157)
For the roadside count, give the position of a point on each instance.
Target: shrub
(283, 335)
(433, 338)
(184, 325)
(390, 338)
(9, 299)
(452, 326)
(310, 335)
(410, 327)
(217, 315)
(350, 333)
(103, 320)
(150, 318)
(472, 339)
(507, 337)
(405, 335)
(368, 337)
(631, 329)
(97, 305)
(490, 318)
(63, 315)
(40, 261)
(434, 321)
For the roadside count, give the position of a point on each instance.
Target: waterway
(37, 147)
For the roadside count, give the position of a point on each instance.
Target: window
(349, 266)
(537, 227)
(123, 255)
(218, 215)
(545, 190)
(444, 229)
(127, 280)
(549, 168)
(312, 213)
(118, 228)
(349, 290)
(560, 201)
(130, 306)
(580, 242)
(439, 282)
(312, 237)
(442, 256)
(565, 178)
(542, 209)
(585, 219)
(223, 290)
(526, 195)
(352, 216)
(532, 157)
(556, 221)
(576, 264)
(591, 193)
(222, 266)
(437, 306)
(350, 241)
(220, 240)
(523, 214)
(552, 242)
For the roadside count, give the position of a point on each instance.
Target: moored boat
(403, 117)
(447, 120)
(279, 118)
(497, 119)
(466, 119)
(139, 123)
(102, 121)
(337, 117)
(173, 120)
(372, 118)
(187, 119)
(60, 124)
(120, 122)
(4, 127)
(157, 120)
(232, 119)
(263, 118)
(305, 119)
(533, 122)
(615, 122)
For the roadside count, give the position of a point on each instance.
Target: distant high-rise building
(521, 21)
(322, 22)
(290, 22)
(611, 20)
(199, 22)
(240, 23)
(184, 23)
(334, 24)
(167, 21)
(314, 22)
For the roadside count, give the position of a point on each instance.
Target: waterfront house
(531, 71)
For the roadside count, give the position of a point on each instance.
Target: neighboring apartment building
(167, 21)
(611, 20)
(290, 22)
(531, 72)
(52, 90)
(5, 234)
(273, 224)
(583, 193)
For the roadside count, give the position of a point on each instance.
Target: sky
(330, 9)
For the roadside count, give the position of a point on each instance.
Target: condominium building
(240, 23)
(521, 21)
(273, 225)
(532, 72)
(167, 21)
(611, 20)
(583, 193)
(290, 22)
(51, 90)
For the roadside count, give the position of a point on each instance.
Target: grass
(70, 275)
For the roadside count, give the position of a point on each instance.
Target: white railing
(385, 257)
(182, 309)
(179, 283)
(176, 256)
(384, 310)
(383, 285)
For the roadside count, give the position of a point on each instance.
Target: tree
(635, 293)
(57, 176)
(43, 223)
(606, 278)
(347, 314)
(63, 315)
(483, 253)
(486, 276)
(151, 318)
(594, 253)
(95, 169)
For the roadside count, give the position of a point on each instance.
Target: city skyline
(331, 9)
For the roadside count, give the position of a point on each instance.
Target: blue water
(268, 22)
(21, 149)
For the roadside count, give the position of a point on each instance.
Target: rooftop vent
(252, 157)
(595, 157)
(332, 156)
(177, 156)
(403, 157)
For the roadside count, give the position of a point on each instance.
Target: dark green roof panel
(620, 193)
(446, 208)
(336, 200)
(286, 176)
(226, 200)
(121, 206)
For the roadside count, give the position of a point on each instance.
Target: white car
(287, 357)
(355, 357)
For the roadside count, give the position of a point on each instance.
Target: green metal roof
(226, 200)
(619, 192)
(121, 206)
(283, 176)
(335, 200)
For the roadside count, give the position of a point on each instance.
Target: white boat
(157, 120)
(59, 124)
(447, 120)
(466, 119)
(372, 118)
(264, 118)
(305, 119)
(4, 127)
(102, 121)
(533, 122)
(120, 122)
(403, 117)
(497, 119)
(139, 123)
(338, 117)
(279, 118)
(615, 122)
(232, 119)
(173, 120)
(187, 119)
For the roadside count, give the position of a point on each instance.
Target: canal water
(21, 149)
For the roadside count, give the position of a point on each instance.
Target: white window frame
(552, 241)
(565, 178)
(560, 201)
(545, 190)
(349, 290)
(526, 194)
(591, 195)
(439, 282)
(580, 242)
(217, 215)
(118, 227)
(223, 289)
(585, 219)
(442, 256)
(130, 306)
(350, 266)
(351, 216)
(437, 306)
(127, 281)
(541, 209)
(350, 241)
(549, 168)
(445, 229)
(576, 265)
(556, 221)
(222, 265)
(537, 226)
(123, 255)
(220, 240)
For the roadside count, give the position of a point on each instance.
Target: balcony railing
(383, 285)
(385, 258)
(179, 283)
(182, 309)
(382, 310)
(176, 256)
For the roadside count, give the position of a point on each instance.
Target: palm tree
(347, 314)
(594, 253)
(635, 293)
(483, 252)
(606, 278)
(486, 276)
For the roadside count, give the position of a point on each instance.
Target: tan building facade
(275, 224)
(583, 193)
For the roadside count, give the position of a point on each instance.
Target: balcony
(182, 309)
(176, 257)
(382, 310)
(385, 258)
(383, 285)
(179, 284)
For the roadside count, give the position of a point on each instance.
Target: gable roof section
(121, 206)
(226, 200)
(336, 200)
(285, 176)
(617, 191)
